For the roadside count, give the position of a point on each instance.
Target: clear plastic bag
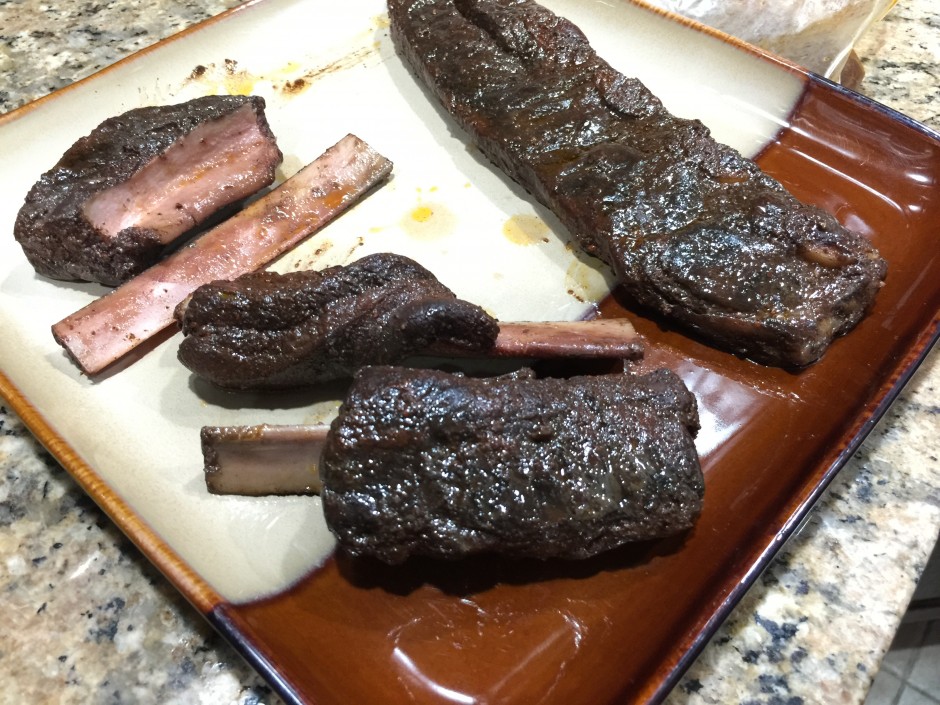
(816, 34)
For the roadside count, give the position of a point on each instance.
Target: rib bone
(263, 460)
(602, 338)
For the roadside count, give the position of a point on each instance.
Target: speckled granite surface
(87, 620)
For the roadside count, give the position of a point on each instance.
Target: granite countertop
(88, 620)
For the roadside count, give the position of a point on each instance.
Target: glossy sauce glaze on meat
(120, 195)
(692, 229)
(268, 331)
(428, 463)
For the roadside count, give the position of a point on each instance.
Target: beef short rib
(692, 229)
(138, 181)
(108, 328)
(429, 463)
(267, 330)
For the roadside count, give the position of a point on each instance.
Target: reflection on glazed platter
(445, 206)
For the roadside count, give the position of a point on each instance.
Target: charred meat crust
(428, 463)
(267, 330)
(692, 229)
(53, 227)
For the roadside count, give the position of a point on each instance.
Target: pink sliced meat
(141, 180)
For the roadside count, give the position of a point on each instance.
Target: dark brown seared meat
(138, 181)
(428, 463)
(268, 331)
(691, 228)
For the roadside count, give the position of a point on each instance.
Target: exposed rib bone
(263, 460)
(603, 338)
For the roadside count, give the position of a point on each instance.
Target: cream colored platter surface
(324, 71)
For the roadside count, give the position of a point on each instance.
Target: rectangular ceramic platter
(327, 69)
